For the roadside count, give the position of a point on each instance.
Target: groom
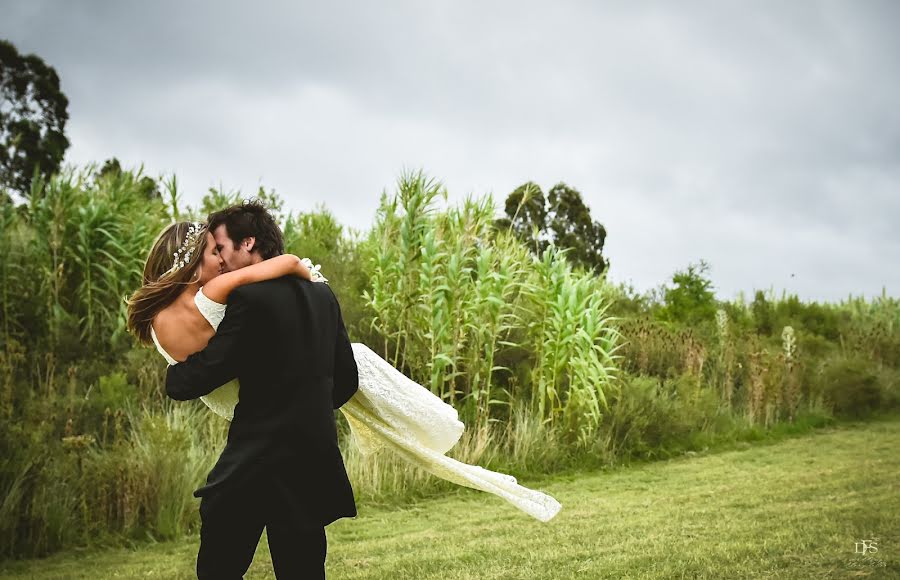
(284, 339)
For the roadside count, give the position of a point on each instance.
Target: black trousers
(232, 522)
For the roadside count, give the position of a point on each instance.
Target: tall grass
(84, 238)
(76, 491)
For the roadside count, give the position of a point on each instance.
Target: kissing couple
(258, 336)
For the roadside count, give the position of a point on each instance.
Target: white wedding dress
(391, 411)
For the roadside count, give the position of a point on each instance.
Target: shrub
(643, 418)
(889, 379)
(852, 387)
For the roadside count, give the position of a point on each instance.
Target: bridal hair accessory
(183, 254)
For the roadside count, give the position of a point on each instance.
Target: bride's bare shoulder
(181, 330)
(173, 315)
(162, 321)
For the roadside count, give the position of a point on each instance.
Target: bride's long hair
(160, 285)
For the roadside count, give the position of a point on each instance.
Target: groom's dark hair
(250, 219)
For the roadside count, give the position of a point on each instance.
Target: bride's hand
(314, 270)
(300, 268)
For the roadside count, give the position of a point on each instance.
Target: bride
(182, 301)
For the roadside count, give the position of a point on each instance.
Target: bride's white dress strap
(211, 311)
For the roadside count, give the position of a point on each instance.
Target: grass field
(791, 509)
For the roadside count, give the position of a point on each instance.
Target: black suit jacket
(285, 341)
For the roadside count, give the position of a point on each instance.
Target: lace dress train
(390, 410)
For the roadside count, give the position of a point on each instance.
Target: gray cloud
(763, 137)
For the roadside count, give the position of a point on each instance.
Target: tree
(692, 299)
(572, 227)
(561, 218)
(110, 167)
(146, 186)
(526, 208)
(33, 115)
(763, 314)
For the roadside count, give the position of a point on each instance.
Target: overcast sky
(761, 136)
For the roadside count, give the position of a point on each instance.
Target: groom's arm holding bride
(203, 372)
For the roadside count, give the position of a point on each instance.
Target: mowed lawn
(792, 509)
